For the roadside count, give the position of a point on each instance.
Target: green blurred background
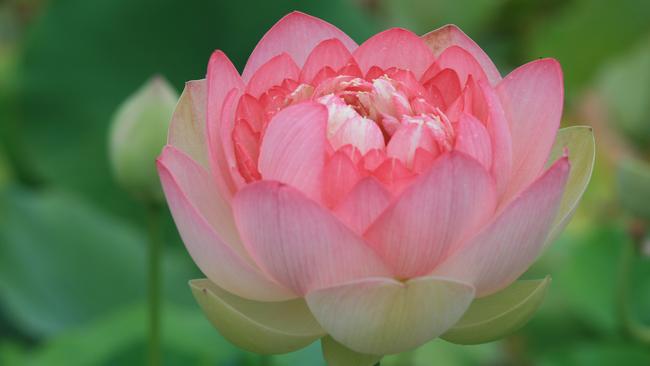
(73, 245)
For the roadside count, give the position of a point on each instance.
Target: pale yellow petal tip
(500, 314)
(260, 327)
(336, 354)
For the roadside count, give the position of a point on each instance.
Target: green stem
(631, 327)
(155, 249)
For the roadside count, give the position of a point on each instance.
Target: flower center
(386, 116)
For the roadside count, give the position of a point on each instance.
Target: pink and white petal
(216, 259)
(394, 47)
(294, 148)
(363, 204)
(433, 215)
(298, 242)
(384, 316)
(296, 34)
(331, 53)
(450, 35)
(187, 130)
(497, 127)
(505, 248)
(461, 61)
(532, 97)
(473, 139)
(360, 132)
(272, 73)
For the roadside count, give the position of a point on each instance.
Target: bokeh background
(73, 244)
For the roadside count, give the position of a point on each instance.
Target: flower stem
(155, 244)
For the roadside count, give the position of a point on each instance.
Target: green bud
(138, 133)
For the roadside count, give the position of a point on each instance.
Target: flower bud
(138, 133)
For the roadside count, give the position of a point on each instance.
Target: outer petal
(580, 144)
(394, 47)
(504, 249)
(331, 53)
(216, 259)
(199, 189)
(298, 242)
(473, 139)
(222, 80)
(532, 97)
(461, 61)
(296, 34)
(261, 327)
(446, 203)
(341, 175)
(272, 73)
(497, 127)
(365, 202)
(383, 316)
(222, 77)
(224, 149)
(294, 147)
(187, 130)
(450, 35)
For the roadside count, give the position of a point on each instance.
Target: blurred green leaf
(310, 355)
(12, 354)
(439, 352)
(6, 175)
(598, 354)
(62, 263)
(337, 354)
(634, 187)
(586, 33)
(625, 85)
(111, 338)
(495, 316)
(422, 16)
(585, 278)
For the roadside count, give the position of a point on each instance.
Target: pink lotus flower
(384, 186)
